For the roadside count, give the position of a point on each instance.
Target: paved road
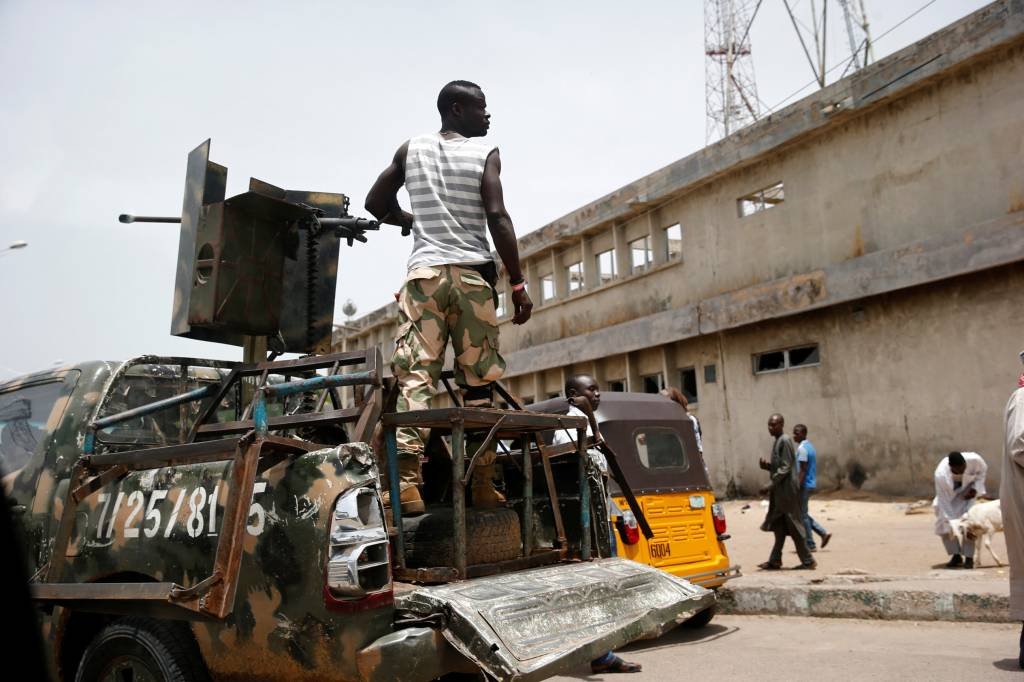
(790, 648)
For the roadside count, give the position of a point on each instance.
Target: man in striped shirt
(456, 197)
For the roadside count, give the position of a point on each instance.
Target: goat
(982, 520)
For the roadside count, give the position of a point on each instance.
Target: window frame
(648, 254)
(685, 466)
(660, 380)
(67, 381)
(761, 200)
(787, 365)
(669, 258)
(602, 276)
(682, 385)
(580, 277)
(545, 280)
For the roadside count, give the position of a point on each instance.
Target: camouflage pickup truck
(189, 519)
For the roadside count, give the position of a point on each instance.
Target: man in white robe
(959, 479)
(1011, 501)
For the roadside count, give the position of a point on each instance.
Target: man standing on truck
(784, 518)
(456, 197)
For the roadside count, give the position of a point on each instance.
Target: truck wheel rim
(128, 669)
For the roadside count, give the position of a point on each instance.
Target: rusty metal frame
(545, 458)
(254, 452)
(498, 424)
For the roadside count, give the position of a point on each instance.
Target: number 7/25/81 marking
(200, 516)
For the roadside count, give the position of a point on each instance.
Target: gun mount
(260, 264)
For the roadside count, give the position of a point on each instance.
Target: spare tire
(491, 535)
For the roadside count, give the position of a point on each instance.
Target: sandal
(616, 665)
(769, 566)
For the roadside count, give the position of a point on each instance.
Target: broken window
(640, 254)
(791, 358)
(618, 385)
(606, 266)
(761, 200)
(673, 241)
(575, 275)
(688, 383)
(653, 383)
(547, 288)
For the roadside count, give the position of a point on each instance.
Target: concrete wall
(904, 378)
(942, 159)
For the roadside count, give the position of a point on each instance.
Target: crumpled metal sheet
(529, 625)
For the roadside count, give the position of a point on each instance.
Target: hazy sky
(101, 102)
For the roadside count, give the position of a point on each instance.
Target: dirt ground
(870, 534)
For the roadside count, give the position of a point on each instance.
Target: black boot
(969, 562)
(956, 562)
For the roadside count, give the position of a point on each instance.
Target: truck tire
(491, 535)
(142, 649)
(700, 619)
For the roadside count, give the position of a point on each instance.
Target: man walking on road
(959, 478)
(784, 517)
(455, 191)
(1011, 500)
(807, 459)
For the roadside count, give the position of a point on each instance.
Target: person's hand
(523, 306)
(764, 464)
(970, 494)
(405, 222)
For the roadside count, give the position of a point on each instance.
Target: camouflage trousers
(437, 304)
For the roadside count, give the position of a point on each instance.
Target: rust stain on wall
(772, 299)
(1016, 202)
(858, 243)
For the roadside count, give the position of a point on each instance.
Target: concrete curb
(874, 601)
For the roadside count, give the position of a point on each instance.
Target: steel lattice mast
(730, 89)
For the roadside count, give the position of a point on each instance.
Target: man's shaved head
(583, 385)
(456, 91)
(776, 424)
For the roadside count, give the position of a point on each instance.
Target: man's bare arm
(504, 235)
(382, 199)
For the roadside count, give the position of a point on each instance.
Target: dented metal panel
(532, 624)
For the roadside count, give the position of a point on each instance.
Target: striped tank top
(443, 180)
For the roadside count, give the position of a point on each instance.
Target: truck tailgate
(532, 624)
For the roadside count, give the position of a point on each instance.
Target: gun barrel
(129, 218)
(350, 223)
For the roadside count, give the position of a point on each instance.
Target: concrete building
(853, 261)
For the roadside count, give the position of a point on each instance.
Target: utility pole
(730, 90)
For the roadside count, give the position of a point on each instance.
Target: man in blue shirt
(807, 459)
